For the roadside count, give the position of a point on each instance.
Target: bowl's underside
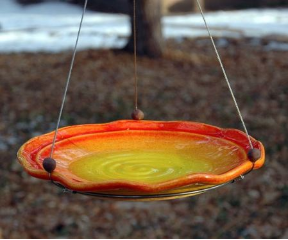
(141, 157)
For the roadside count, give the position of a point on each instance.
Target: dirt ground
(173, 88)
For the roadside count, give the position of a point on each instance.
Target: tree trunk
(148, 28)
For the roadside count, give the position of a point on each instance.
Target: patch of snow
(53, 26)
(277, 46)
(45, 8)
(248, 23)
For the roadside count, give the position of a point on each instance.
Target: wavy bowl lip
(28, 152)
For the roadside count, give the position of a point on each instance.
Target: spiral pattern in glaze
(140, 166)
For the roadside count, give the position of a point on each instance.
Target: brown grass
(31, 86)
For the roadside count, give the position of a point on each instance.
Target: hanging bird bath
(142, 157)
(142, 160)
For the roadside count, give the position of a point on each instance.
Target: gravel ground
(177, 87)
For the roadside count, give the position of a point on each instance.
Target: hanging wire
(225, 74)
(68, 79)
(135, 56)
(110, 196)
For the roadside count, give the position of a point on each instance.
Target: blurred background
(179, 79)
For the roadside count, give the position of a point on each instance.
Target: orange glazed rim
(27, 154)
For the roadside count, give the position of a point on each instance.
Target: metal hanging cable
(225, 74)
(135, 56)
(68, 79)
